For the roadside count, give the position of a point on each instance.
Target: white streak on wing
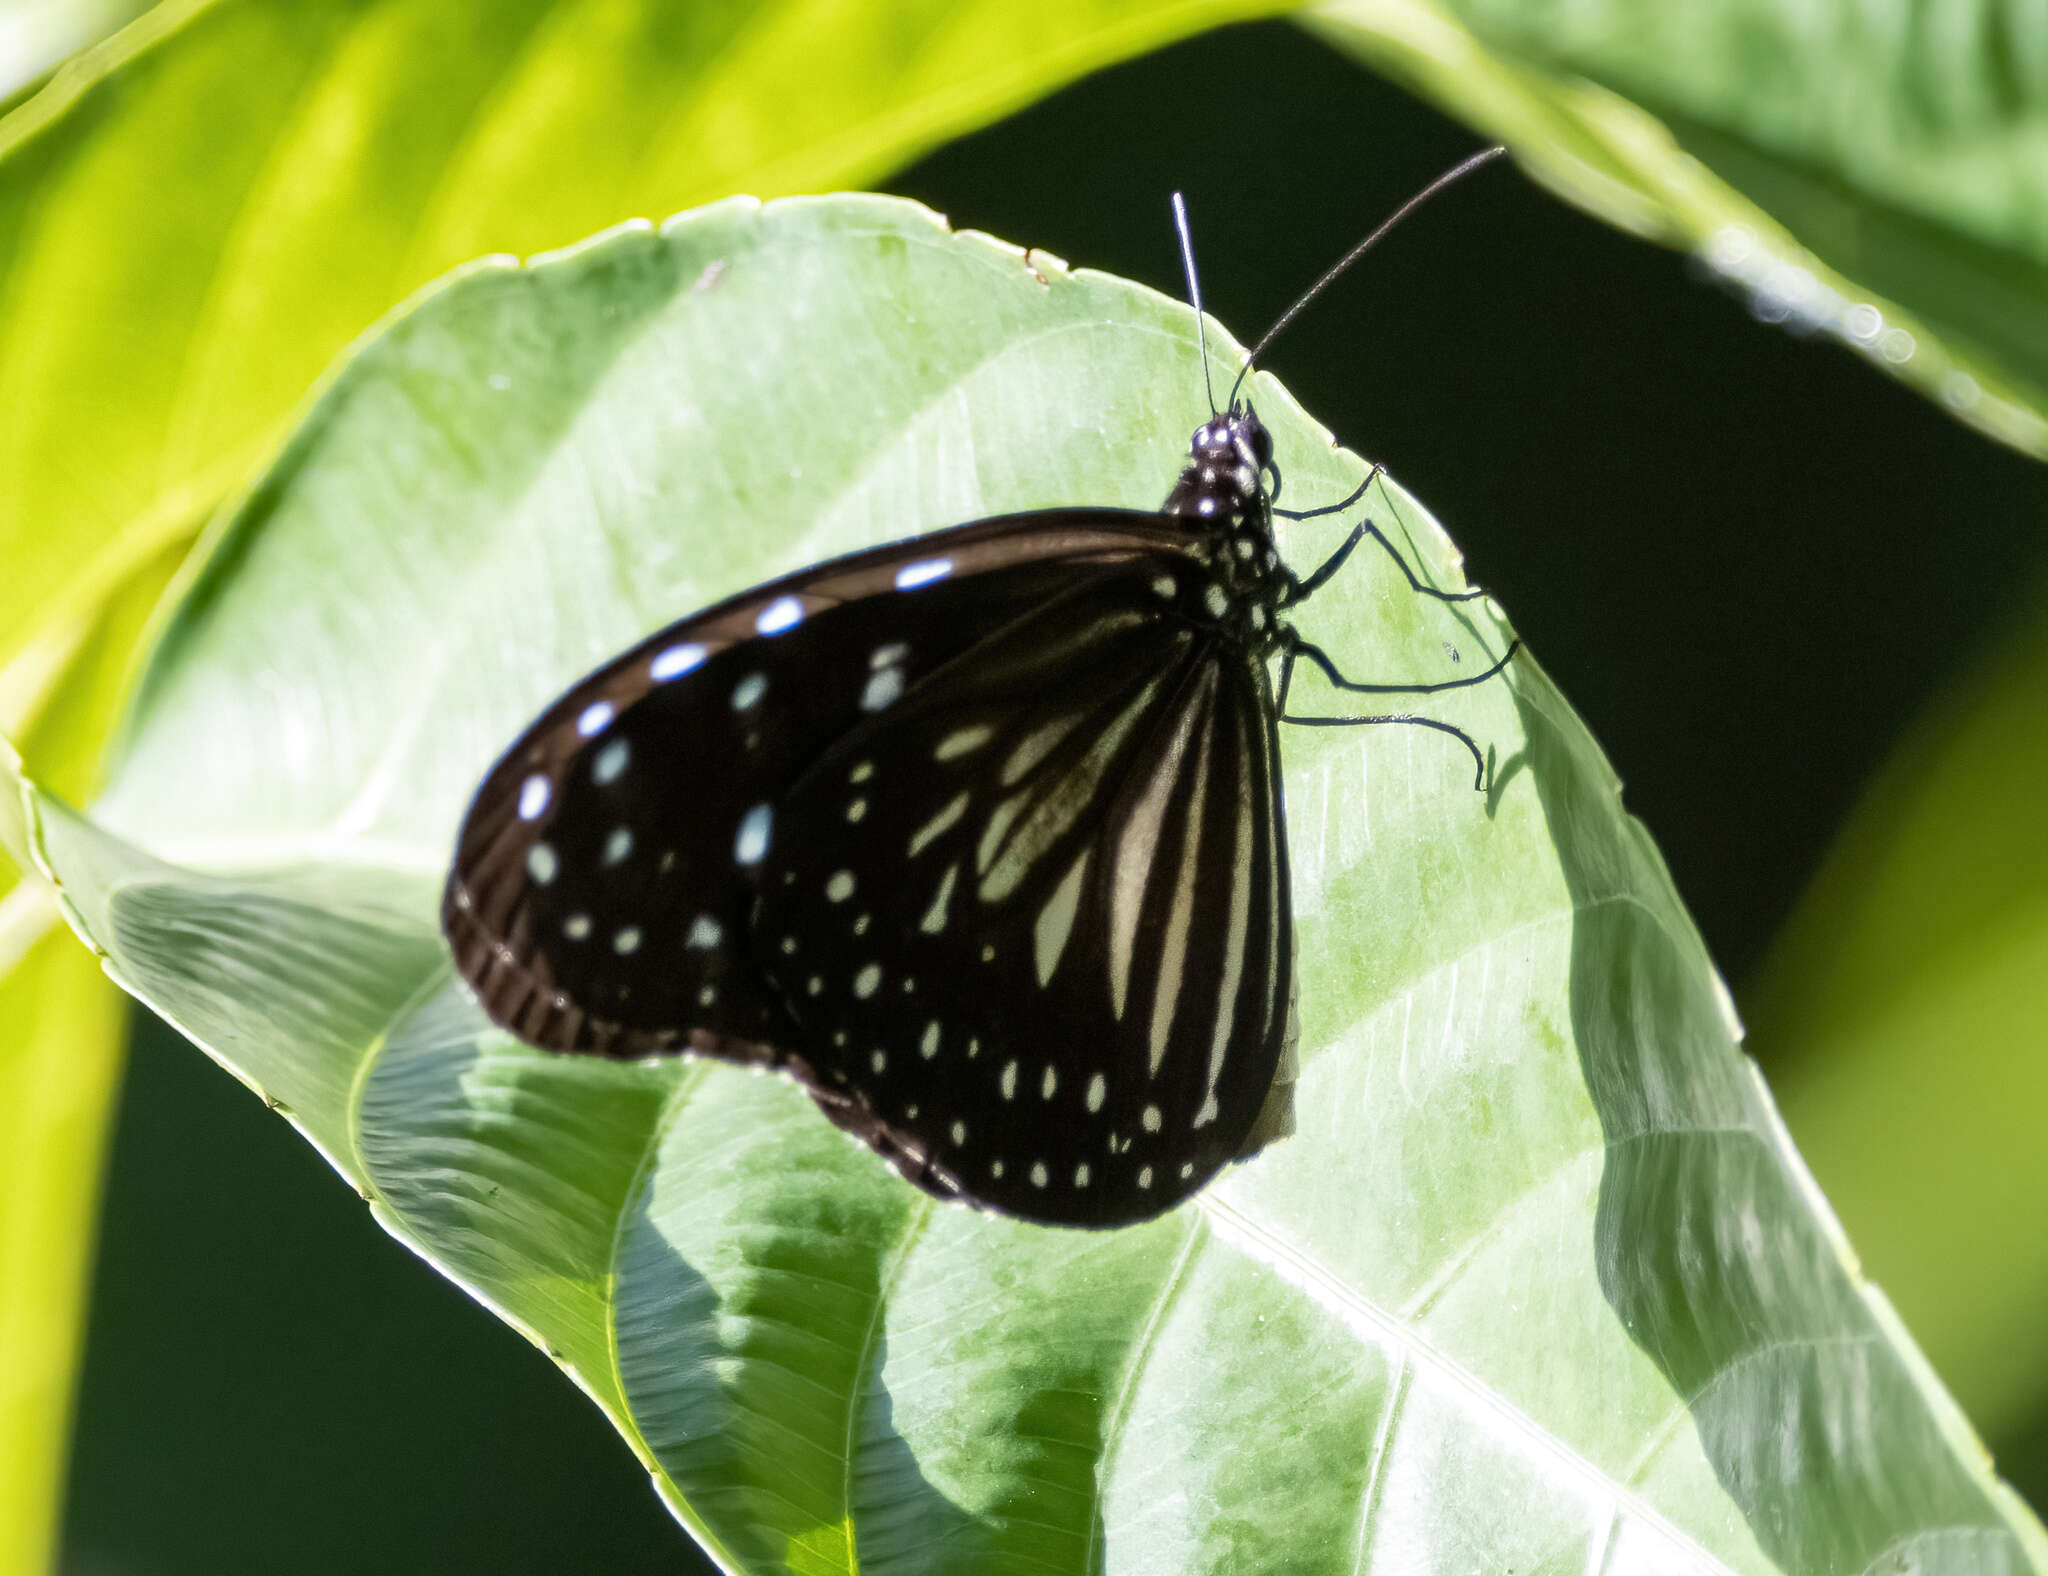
(992, 831)
(1279, 962)
(1036, 746)
(1056, 920)
(1240, 923)
(937, 826)
(963, 741)
(934, 920)
(1136, 850)
(1057, 806)
(1173, 951)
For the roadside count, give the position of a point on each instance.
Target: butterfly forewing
(603, 891)
(1029, 922)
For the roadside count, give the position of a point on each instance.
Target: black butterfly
(979, 835)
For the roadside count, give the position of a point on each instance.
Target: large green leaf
(1869, 172)
(1538, 1285)
(197, 215)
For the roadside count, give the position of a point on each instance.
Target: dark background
(1748, 560)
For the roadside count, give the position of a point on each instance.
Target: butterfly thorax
(1222, 491)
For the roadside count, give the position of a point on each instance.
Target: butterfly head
(1224, 478)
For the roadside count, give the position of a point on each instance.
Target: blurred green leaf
(62, 1026)
(1539, 1284)
(1865, 172)
(1905, 1002)
(61, 1031)
(197, 215)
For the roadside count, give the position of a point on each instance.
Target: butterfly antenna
(1187, 261)
(1448, 178)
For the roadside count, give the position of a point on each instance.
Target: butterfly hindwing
(1030, 921)
(605, 878)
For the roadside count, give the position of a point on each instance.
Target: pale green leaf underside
(1538, 1285)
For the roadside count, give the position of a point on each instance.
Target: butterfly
(978, 835)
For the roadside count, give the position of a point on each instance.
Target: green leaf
(1864, 172)
(198, 214)
(1538, 1284)
(1904, 1001)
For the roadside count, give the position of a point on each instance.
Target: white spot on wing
(748, 692)
(576, 926)
(618, 845)
(840, 887)
(596, 718)
(541, 863)
(626, 940)
(751, 842)
(928, 1047)
(534, 795)
(1010, 1080)
(1050, 1082)
(785, 612)
(1098, 1091)
(610, 762)
(867, 981)
(1039, 1175)
(882, 688)
(675, 662)
(706, 932)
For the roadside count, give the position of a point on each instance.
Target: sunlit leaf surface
(1538, 1284)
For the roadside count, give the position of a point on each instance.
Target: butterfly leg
(1321, 659)
(1359, 532)
(1464, 738)
(1296, 646)
(1339, 507)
